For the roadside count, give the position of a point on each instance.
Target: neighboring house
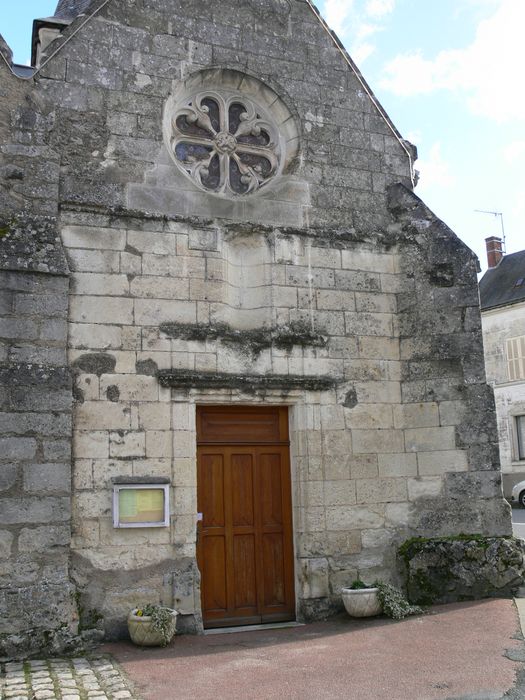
(241, 360)
(502, 295)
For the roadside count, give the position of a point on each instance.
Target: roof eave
(38, 24)
(513, 302)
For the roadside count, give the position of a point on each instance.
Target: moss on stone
(250, 340)
(89, 620)
(461, 567)
(6, 226)
(410, 546)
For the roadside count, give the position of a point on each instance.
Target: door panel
(245, 551)
(274, 574)
(242, 489)
(213, 590)
(211, 473)
(241, 424)
(271, 489)
(245, 577)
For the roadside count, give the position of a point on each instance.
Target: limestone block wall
(111, 82)
(37, 603)
(330, 289)
(443, 363)
(374, 451)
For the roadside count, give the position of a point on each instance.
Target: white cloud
(356, 21)
(434, 170)
(409, 74)
(379, 8)
(366, 29)
(514, 152)
(486, 72)
(337, 12)
(362, 51)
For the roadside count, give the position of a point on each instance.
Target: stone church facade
(218, 284)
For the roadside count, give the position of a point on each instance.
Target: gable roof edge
(77, 24)
(333, 36)
(339, 44)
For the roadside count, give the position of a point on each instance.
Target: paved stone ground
(467, 651)
(94, 678)
(464, 651)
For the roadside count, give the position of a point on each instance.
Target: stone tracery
(225, 142)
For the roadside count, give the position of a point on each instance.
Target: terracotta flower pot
(361, 602)
(143, 633)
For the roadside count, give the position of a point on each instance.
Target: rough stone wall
(28, 157)
(119, 76)
(36, 597)
(124, 328)
(453, 569)
(498, 326)
(37, 602)
(302, 294)
(444, 391)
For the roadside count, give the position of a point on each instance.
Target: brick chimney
(494, 251)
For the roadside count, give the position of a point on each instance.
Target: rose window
(226, 144)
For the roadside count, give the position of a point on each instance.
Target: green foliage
(6, 226)
(161, 620)
(394, 603)
(91, 620)
(428, 592)
(87, 619)
(357, 585)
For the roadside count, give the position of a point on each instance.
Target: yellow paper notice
(141, 506)
(127, 503)
(151, 500)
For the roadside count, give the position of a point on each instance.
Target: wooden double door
(244, 547)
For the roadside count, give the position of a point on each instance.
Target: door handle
(200, 518)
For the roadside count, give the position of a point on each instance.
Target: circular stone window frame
(229, 86)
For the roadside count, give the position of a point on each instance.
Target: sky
(448, 73)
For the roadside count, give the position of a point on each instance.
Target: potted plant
(363, 600)
(152, 625)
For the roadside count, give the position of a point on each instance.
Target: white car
(518, 494)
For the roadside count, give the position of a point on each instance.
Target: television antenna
(500, 214)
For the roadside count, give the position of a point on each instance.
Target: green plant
(357, 585)
(161, 620)
(394, 602)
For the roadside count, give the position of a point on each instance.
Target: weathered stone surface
(95, 363)
(35, 440)
(251, 340)
(113, 593)
(249, 383)
(453, 569)
(329, 288)
(32, 243)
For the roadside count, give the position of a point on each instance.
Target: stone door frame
(298, 403)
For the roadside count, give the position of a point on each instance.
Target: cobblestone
(93, 678)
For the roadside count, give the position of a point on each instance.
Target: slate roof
(69, 9)
(501, 285)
